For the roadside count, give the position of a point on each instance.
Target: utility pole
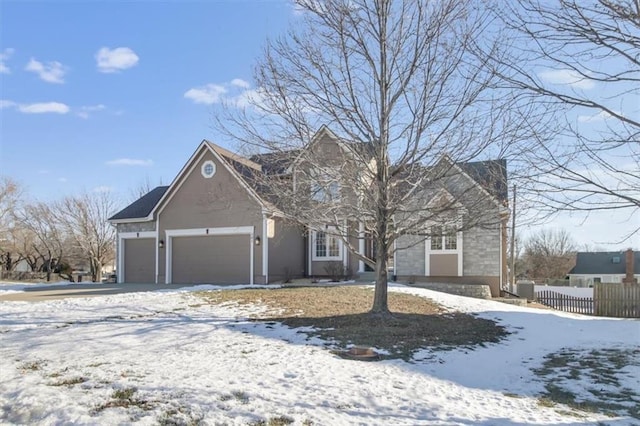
(513, 243)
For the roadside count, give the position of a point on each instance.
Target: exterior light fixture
(161, 243)
(257, 240)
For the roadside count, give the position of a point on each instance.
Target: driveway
(41, 293)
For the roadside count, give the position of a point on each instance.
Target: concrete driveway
(41, 293)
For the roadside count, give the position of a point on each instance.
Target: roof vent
(615, 259)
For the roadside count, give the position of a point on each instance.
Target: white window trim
(445, 250)
(326, 258)
(459, 251)
(204, 165)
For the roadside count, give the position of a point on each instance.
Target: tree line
(61, 236)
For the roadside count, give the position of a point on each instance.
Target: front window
(444, 238)
(326, 246)
(325, 189)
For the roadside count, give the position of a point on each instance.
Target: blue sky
(93, 93)
(105, 95)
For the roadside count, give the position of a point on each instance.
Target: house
(218, 223)
(470, 246)
(605, 267)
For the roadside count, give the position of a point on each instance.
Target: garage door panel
(220, 259)
(139, 260)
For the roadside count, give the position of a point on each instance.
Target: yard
(271, 357)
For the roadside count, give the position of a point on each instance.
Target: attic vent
(615, 259)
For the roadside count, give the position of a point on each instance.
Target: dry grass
(341, 315)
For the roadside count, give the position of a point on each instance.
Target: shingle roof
(604, 262)
(276, 163)
(491, 175)
(143, 206)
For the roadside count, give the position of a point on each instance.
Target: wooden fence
(617, 300)
(564, 302)
(609, 300)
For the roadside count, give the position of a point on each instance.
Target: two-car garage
(188, 256)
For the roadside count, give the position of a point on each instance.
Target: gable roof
(142, 207)
(601, 263)
(491, 175)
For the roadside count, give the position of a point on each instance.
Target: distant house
(605, 267)
(216, 224)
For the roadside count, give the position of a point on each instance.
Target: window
(208, 169)
(324, 189)
(444, 240)
(326, 246)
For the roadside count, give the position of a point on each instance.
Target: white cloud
(5, 103)
(5, 55)
(51, 72)
(237, 93)
(114, 60)
(86, 110)
(44, 107)
(129, 162)
(207, 94)
(63, 180)
(103, 188)
(569, 77)
(602, 115)
(240, 83)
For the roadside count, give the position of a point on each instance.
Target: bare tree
(42, 238)
(549, 253)
(83, 218)
(143, 188)
(401, 85)
(10, 198)
(580, 59)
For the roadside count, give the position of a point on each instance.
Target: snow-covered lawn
(569, 291)
(169, 358)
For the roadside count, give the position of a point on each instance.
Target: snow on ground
(17, 287)
(171, 359)
(569, 291)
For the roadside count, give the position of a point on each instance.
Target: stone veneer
(481, 252)
(478, 291)
(137, 226)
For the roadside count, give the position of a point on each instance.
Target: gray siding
(286, 252)
(220, 201)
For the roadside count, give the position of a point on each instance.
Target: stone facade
(137, 227)
(481, 252)
(410, 255)
(470, 290)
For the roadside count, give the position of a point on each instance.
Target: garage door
(219, 259)
(139, 260)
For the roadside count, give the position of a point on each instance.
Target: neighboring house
(216, 223)
(605, 267)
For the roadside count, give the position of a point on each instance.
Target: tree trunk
(380, 304)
